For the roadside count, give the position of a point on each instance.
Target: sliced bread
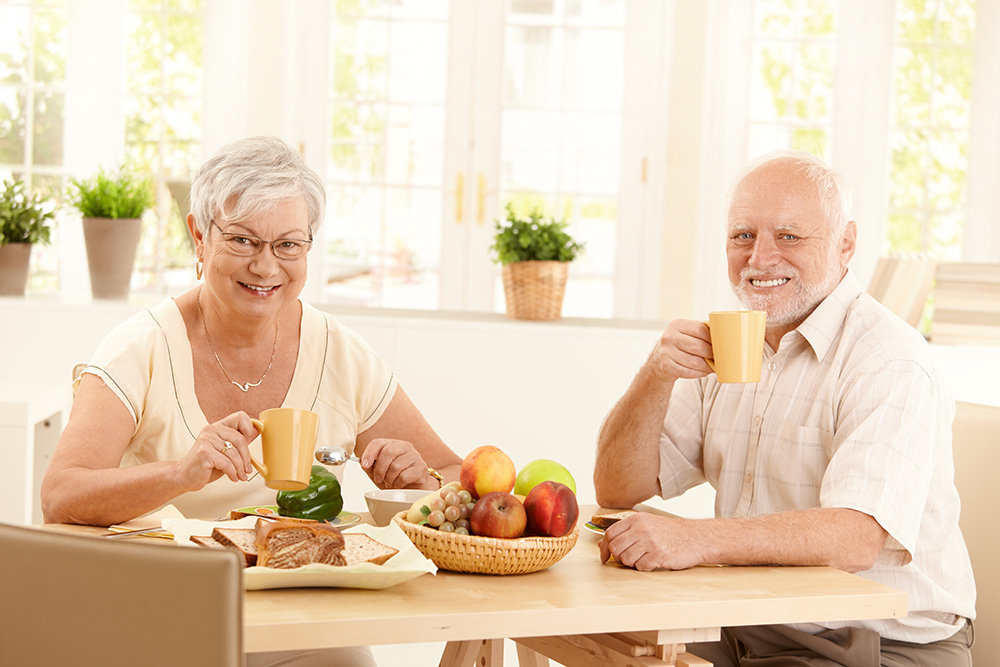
(604, 520)
(361, 548)
(241, 539)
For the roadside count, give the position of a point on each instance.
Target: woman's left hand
(395, 464)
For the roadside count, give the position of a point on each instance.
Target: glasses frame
(226, 236)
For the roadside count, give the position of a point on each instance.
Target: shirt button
(771, 366)
(756, 420)
(748, 479)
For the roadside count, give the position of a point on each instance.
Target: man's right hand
(681, 351)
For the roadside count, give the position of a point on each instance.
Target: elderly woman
(162, 413)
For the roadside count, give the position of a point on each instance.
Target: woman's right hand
(210, 457)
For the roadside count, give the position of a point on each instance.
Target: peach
(552, 509)
(487, 469)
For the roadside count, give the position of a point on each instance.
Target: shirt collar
(824, 323)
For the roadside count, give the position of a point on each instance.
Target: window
(386, 152)
(929, 126)
(163, 127)
(791, 96)
(33, 50)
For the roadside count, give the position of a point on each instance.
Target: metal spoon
(334, 456)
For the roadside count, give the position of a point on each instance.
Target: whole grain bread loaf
(290, 544)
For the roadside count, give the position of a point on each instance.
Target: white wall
(536, 390)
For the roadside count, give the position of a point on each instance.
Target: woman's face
(258, 285)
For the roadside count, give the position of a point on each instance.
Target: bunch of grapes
(449, 510)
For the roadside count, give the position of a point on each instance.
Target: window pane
(932, 84)
(12, 125)
(792, 76)
(15, 28)
(386, 152)
(47, 144)
(163, 102)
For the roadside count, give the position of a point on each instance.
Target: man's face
(783, 256)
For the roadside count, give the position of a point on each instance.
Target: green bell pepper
(321, 500)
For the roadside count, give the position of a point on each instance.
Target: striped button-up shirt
(849, 412)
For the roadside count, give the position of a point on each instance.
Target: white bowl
(383, 504)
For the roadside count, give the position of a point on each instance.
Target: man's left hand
(651, 542)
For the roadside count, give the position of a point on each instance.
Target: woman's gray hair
(835, 196)
(248, 177)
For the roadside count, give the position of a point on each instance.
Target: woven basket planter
(487, 555)
(534, 290)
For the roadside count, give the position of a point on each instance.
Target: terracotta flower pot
(534, 290)
(15, 259)
(111, 246)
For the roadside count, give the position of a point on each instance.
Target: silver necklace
(246, 386)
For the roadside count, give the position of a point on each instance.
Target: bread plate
(408, 564)
(342, 520)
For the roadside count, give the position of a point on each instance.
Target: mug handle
(261, 468)
(710, 362)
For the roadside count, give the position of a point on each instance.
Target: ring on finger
(227, 446)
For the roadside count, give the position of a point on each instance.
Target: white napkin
(150, 520)
(182, 529)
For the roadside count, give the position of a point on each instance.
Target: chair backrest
(902, 283)
(966, 304)
(976, 434)
(84, 600)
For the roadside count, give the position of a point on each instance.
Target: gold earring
(199, 268)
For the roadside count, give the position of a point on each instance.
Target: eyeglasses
(245, 245)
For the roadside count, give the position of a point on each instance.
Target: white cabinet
(31, 419)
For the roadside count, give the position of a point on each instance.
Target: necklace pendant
(246, 387)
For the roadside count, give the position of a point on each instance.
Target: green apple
(542, 470)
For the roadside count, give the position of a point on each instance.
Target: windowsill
(41, 301)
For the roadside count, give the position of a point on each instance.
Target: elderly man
(840, 455)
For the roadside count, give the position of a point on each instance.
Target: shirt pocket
(795, 461)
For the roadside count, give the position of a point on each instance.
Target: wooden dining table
(578, 612)
(577, 609)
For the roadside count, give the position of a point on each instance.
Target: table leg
(529, 658)
(483, 653)
(608, 651)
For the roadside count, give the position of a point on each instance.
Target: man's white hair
(835, 196)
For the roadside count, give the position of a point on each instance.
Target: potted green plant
(24, 221)
(112, 204)
(535, 253)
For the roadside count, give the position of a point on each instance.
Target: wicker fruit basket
(487, 555)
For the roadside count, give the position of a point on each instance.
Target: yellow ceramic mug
(288, 439)
(737, 344)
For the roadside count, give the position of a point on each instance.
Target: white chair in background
(966, 304)
(902, 282)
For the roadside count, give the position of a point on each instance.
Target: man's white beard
(791, 310)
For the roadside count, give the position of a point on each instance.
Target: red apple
(552, 509)
(487, 469)
(498, 514)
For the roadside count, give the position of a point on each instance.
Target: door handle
(481, 199)
(459, 197)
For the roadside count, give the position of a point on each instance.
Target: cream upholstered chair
(976, 443)
(84, 600)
